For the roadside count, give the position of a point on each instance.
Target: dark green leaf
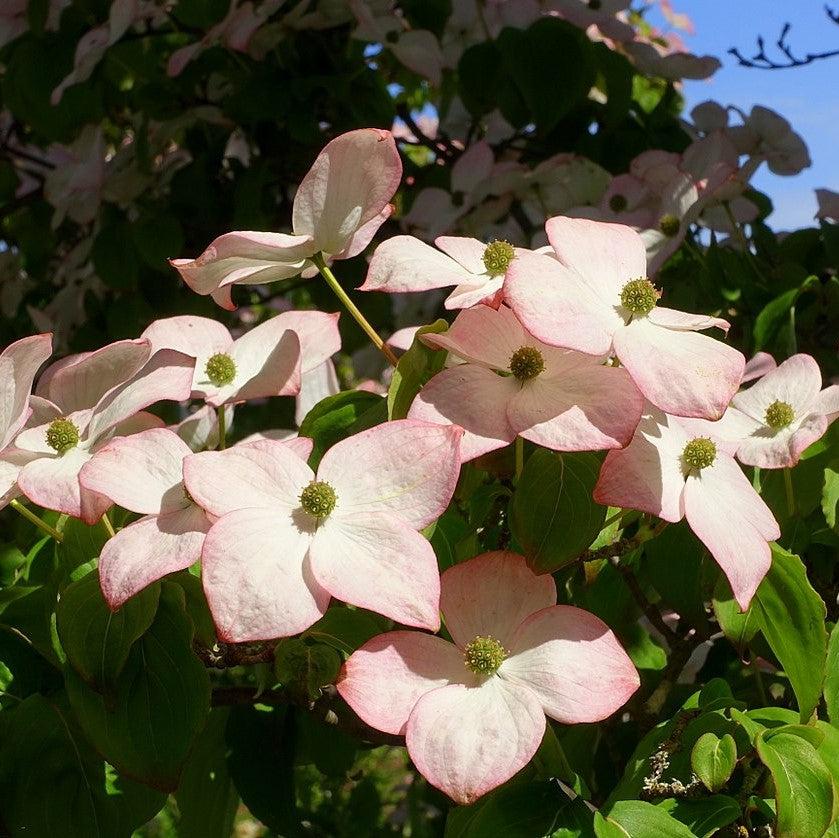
(637, 819)
(345, 629)
(305, 667)
(415, 368)
(703, 817)
(553, 516)
(792, 616)
(831, 681)
(161, 700)
(207, 798)
(803, 786)
(96, 640)
(713, 759)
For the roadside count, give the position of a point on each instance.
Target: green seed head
(779, 415)
(497, 257)
(62, 435)
(699, 453)
(484, 655)
(669, 225)
(220, 369)
(617, 203)
(526, 363)
(639, 296)
(318, 499)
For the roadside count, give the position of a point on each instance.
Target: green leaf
(53, 784)
(81, 546)
(792, 619)
(480, 71)
(703, 817)
(161, 700)
(158, 237)
(334, 418)
(803, 785)
(637, 819)
(830, 495)
(520, 810)
(261, 750)
(738, 626)
(414, 369)
(776, 314)
(96, 640)
(831, 681)
(553, 516)
(207, 798)
(305, 667)
(713, 759)
(345, 629)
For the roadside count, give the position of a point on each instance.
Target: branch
(228, 655)
(761, 61)
(328, 707)
(404, 113)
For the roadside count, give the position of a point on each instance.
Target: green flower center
(639, 296)
(526, 363)
(484, 655)
(497, 257)
(779, 415)
(669, 225)
(318, 499)
(62, 435)
(220, 369)
(699, 453)
(617, 203)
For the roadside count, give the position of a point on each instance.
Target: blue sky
(807, 96)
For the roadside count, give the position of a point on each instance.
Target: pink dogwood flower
(340, 204)
(93, 398)
(595, 297)
(514, 385)
(288, 539)
(473, 710)
(268, 360)
(144, 473)
(404, 263)
(783, 413)
(19, 363)
(669, 471)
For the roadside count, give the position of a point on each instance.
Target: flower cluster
(566, 346)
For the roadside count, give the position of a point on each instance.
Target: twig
(228, 655)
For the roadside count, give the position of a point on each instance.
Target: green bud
(526, 363)
(669, 225)
(220, 369)
(62, 435)
(699, 453)
(318, 499)
(639, 296)
(779, 415)
(497, 257)
(484, 655)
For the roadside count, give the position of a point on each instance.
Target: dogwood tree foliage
(409, 425)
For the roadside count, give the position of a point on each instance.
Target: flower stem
(109, 527)
(790, 492)
(33, 518)
(222, 428)
(351, 307)
(519, 457)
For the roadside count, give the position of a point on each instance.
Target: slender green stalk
(790, 492)
(351, 307)
(109, 527)
(33, 518)
(761, 689)
(519, 457)
(612, 518)
(222, 428)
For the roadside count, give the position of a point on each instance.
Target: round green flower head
(62, 435)
(639, 296)
(779, 415)
(669, 225)
(318, 499)
(699, 453)
(617, 203)
(526, 363)
(220, 369)
(484, 655)
(497, 257)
